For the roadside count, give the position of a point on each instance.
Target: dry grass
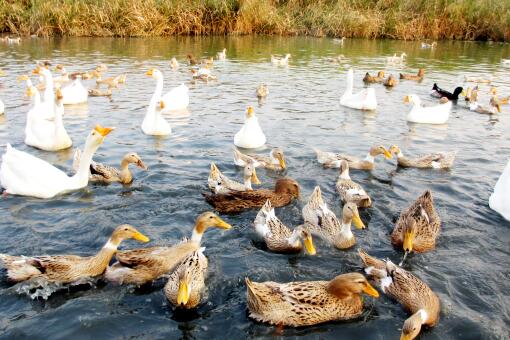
(398, 19)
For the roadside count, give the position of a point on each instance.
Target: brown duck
(419, 76)
(285, 190)
(374, 79)
(391, 81)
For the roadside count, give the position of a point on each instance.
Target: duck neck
(369, 158)
(350, 83)
(100, 261)
(157, 95)
(59, 123)
(82, 176)
(198, 232)
(125, 173)
(345, 174)
(293, 239)
(247, 182)
(345, 228)
(49, 95)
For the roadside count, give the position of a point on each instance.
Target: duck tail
(252, 298)
(435, 88)
(238, 158)
(370, 262)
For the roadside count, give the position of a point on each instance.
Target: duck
(419, 76)
(191, 60)
(499, 200)
(374, 79)
(418, 226)
(285, 191)
(438, 114)
(186, 285)
(337, 59)
(332, 160)
(174, 64)
(474, 79)
(75, 93)
(440, 93)
(278, 237)
(407, 289)
(280, 60)
(48, 135)
(391, 81)
(17, 175)
(222, 55)
(349, 190)
(322, 222)
(250, 136)
(363, 100)
(306, 303)
(68, 268)
(203, 73)
(101, 68)
(339, 41)
(96, 92)
(438, 160)
(111, 82)
(221, 184)
(14, 40)
(396, 60)
(494, 105)
(262, 91)
(143, 265)
(31, 91)
(47, 105)
(502, 101)
(107, 174)
(275, 161)
(427, 45)
(63, 78)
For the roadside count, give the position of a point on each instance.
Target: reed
(397, 19)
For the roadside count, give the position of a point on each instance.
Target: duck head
(97, 136)
(380, 150)
(346, 285)
(278, 155)
(287, 186)
(307, 239)
(207, 220)
(350, 213)
(133, 158)
(250, 173)
(126, 231)
(410, 230)
(184, 290)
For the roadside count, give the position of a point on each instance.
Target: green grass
(397, 19)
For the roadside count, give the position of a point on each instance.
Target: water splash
(42, 288)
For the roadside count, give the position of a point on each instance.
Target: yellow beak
(30, 92)
(405, 336)
(149, 73)
(309, 246)
(254, 178)
(22, 77)
(368, 289)
(103, 130)
(408, 242)
(282, 163)
(161, 104)
(387, 154)
(358, 223)
(183, 293)
(140, 237)
(222, 224)
(407, 100)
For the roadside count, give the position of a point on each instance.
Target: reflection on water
(302, 111)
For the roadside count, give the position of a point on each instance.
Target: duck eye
(210, 217)
(126, 229)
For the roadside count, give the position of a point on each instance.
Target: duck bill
(183, 293)
(407, 100)
(310, 249)
(222, 224)
(162, 105)
(387, 154)
(22, 78)
(254, 178)
(149, 73)
(358, 223)
(36, 71)
(405, 336)
(408, 242)
(369, 290)
(282, 163)
(140, 237)
(103, 131)
(141, 164)
(30, 92)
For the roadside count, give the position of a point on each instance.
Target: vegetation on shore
(397, 19)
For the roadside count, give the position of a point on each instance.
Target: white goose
(222, 55)
(176, 99)
(250, 136)
(438, 114)
(280, 60)
(46, 108)
(24, 174)
(363, 100)
(75, 93)
(500, 198)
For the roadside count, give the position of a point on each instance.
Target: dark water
(469, 270)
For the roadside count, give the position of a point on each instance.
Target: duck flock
(184, 265)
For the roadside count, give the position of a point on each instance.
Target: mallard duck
(275, 160)
(221, 184)
(418, 226)
(396, 60)
(68, 268)
(408, 290)
(499, 200)
(111, 82)
(438, 114)
(278, 237)
(439, 160)
(332, 160)
(474, 79)
(96, 92)
(321, 221)
(284, 192)
(391, 81)
(280, 60)
(262, 91)
(349, 190)
(186, 284)
(18, 177)
(174, 64)
(363, 100)
(139, 266)
(427, 45)
(374, 79)
(75, 93)
(440, 93)
(108, 174)
(191, 60)
(222, 55)
(308, 303)
(250, 136)
(494, 105)
(419, 76)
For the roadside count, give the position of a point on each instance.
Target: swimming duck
(502, 101)
(349, 190)
(374, 79)
(321, 221)
(203, 73)
(494, 105)
(338, 59)
(408, 290)
(396, 60)
(418, 76)
(250, 136)
(186, 284)
(275, 161)
(221, 184)
(108, 174)
(222, 55)
(75, 93)
(191, 60)
(440, 93)
(438, 114)
(111, 82)
(280, 60)
(418, 226)
(139, 266)
(427, 45)
(277, 236)
(339, 41)
(499, 200)
(332, 160)
(439, 160)
(262, 91)
(68, 268)
(96, 92)
(363, 100)
(474, 79)
(18, 177)
(391, 81)
(154, 123)
(308, 303)
(174, 64)
(284, 192)
(63, 78)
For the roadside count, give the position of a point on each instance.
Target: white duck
(176, 99)
(24, 174)
(46, 107)
(280, 60)
(49, 135)
(222, 55)
(500, 198)
(250, 136)
(363, 100)
(396, 60)
(438, 114)
(75, 93)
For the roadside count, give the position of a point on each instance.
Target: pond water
(468, 270)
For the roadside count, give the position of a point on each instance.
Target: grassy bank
(397, 19)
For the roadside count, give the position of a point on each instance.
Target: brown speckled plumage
(439, 160)
(332, 160)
